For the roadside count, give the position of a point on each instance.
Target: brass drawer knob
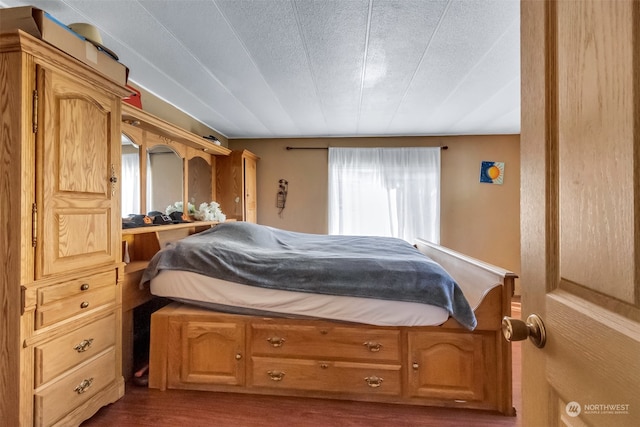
(238, 356)
(276, 341)
(83, 346)
(276, 375)
(373, 347)
(83, 386)
(84, 287)
(415, 365)
(84, 304)
(373, 381)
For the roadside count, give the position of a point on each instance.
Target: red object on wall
(135, 98)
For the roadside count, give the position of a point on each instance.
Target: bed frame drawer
(326, 376)
(325, 341)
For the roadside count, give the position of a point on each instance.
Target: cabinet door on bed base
(208, 353)
(448, 366)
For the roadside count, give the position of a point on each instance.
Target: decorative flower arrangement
(206, 211)
(210, 212)
(177, 207)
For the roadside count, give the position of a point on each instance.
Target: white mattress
(207, 291)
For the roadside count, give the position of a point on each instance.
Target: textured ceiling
(292, 68)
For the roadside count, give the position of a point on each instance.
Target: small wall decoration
(281, 196)
(492, 172)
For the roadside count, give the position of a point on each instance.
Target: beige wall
(480, 220)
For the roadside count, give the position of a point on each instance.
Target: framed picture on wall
(492, 172)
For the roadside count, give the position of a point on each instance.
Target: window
(130, 177)
(385, 192)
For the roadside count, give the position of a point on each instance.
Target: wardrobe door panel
(76, 175)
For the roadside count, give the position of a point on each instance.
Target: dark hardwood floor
(146, 407)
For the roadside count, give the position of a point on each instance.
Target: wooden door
(77, 158)
(580, 211)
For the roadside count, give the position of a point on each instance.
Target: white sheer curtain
(130, 184)
(385, 192)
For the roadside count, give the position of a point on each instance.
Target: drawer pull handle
(83, 346)
(276, 375)
(373, 381)
(324, 365)
(276, 341)
(238, 356)
(83, 386)
(84, 287)
(84, 304)
(373, 347)
(415, 365)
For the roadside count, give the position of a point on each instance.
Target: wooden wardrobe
(60, 244)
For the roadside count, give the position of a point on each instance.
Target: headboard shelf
(196, 225)
(144, 120)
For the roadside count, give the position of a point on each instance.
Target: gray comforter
(363, 266)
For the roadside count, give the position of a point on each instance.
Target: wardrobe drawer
(71, 288)
(61, 354)
(327, 376)
(59, 302)
(60, 397)
(326, 342)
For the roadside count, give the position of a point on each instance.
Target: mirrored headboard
(163, 164)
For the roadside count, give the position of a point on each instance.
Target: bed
(266, 311)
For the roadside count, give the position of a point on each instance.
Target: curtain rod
(444, 147)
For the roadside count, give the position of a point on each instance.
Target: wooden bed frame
(446, 365)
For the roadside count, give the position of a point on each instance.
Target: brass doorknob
(517, 330)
